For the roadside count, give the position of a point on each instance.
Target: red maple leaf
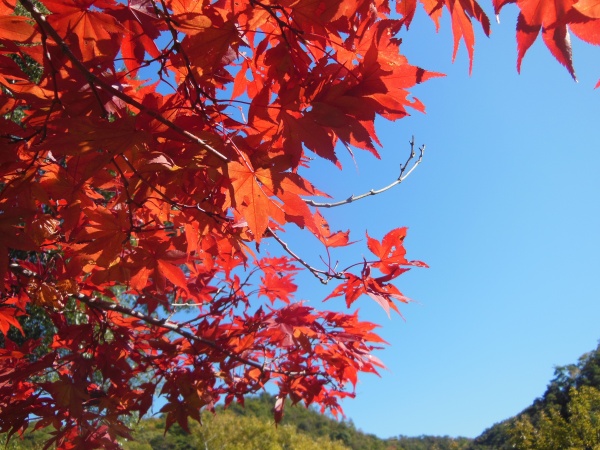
(8, 318)
(550, 18)
(143, 27)
(94, 36)
(324, 234)
(391, 251)
(251, 199)
(461, 13)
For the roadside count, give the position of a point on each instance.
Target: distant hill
(585, 373)
(311, 422)
(308, 425)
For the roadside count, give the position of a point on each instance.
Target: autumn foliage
(148, 150)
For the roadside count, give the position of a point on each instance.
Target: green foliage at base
(252, 427)
(579, 429)
(226, 431)
(567, 417)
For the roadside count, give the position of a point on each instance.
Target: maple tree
(149, 148)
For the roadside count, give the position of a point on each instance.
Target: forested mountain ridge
(251, 427)
(556, 414)
(311, 422)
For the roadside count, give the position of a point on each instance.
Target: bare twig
(94, 79)
(405, 171)
(323, 276)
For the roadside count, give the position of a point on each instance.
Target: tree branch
(405, 171)
(323, 276)
(98, 303)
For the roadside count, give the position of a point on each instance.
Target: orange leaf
(8, 317)
(189, 17)
(18, 29)
(140, 21)
(551, 18)
(589, 8)
(461, 13)
(406, 8)
(173, 273)
(277, 286)
(324, 234)
(251, 199)
(391, 252)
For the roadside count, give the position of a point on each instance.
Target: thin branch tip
(405, 170)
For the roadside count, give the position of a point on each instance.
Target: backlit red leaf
(8, 318)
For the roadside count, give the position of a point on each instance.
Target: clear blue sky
(505, 209)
